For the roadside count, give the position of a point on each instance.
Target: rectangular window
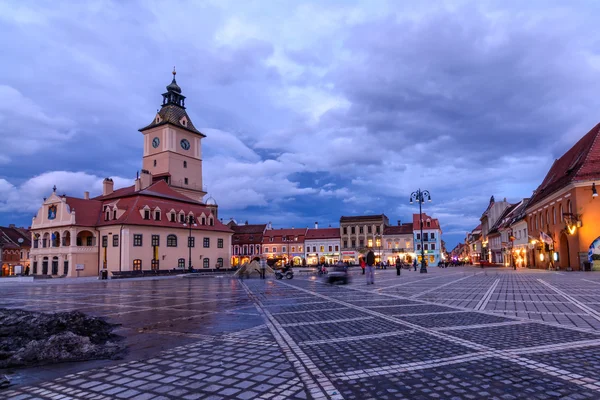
(353, 243)
(360, 229)
(369, 243)
(89, 241)
(330, 249)
(185, 164)
(361, 243)
(432, 236)
(418, 236)
(206, 243)
(377, 229)
(353, 230)
(137, 264)
(337, 248)
(425, 246)
(146, 214)
(369, 229)
(171, 241)
(274, 249)
(185, 180)
(418, 247)
(219, 243)
(115, 240)
(206, 263)
(137, 240)
(115, 214)
(293, 249)
(283, 249)
(300, 248)
(155, 240)
(425, 236)
(104, 241)
(345, 230)
(321, 248)
(157, 215)
(191, 241)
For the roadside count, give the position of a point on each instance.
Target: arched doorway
(563, 251)
(54, 265)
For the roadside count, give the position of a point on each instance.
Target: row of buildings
(557, 227)
(162, 221)
(355, 235)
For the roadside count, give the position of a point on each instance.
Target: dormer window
(183, 121)
(203, 220)
(107, 215)
(157, 215)
(157, 120)
(115, 213)
(146, 214)
(210, 222)
(181, 217)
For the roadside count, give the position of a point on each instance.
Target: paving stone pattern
(456, 333)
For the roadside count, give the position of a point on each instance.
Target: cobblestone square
(462, 333)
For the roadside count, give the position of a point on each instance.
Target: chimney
(317, 225)
(399, 222)
(246, 223)
(145, 179)
(86, 195)
(108, 186)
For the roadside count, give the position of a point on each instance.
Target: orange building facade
(564, 211)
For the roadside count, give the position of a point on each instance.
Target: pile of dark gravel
(32, 338)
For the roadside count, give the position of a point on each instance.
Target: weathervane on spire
(174, 72)
(54, 189)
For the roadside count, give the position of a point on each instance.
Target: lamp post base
(423, 269)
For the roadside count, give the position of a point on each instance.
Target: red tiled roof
(477, 228)
(323, 233)
(9, 238)
(580, 163)
(242, 229)
(133, 206)
(278, 234)
(87, 212)
(399, 230)
(435, 224)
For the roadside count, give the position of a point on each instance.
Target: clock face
(185, 144)
(155, 142)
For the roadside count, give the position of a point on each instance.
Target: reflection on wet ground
(154, 315)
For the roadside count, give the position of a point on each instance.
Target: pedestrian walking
(370, 267)
(263, 268)
(415, 264)
(398, 266)
(363, 264)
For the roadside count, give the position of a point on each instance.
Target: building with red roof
(284, 245)
(322, 245)
(564, 210)
(428, 238)
(398, 241)
(160, 222)
(15, 245)
(246, 242)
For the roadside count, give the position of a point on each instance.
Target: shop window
(137, 265)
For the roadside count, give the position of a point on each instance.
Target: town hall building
(160, 222)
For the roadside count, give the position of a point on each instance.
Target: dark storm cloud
(494, 88)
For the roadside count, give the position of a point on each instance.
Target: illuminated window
(378, 242)
(321, 248)
(137, 265)
(370, 243)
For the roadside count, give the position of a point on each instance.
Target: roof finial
(174, 72)
(54, 189)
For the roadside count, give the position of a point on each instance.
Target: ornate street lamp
(189, 221)
(419, 196)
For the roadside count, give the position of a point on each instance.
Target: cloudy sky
(312, 110)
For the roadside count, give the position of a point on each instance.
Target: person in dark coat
(398, 266)
(370, 267)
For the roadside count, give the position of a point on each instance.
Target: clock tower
(172, 146)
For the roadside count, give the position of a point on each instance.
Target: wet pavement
(452, 333)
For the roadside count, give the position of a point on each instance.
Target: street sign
(79, 267)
